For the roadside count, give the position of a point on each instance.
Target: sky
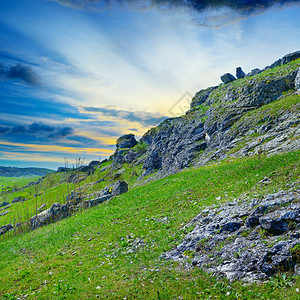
(77, 74)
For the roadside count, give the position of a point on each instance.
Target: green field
(16, 182)
(92, 254)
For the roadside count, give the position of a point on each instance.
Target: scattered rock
(227, 78)
(18, 199)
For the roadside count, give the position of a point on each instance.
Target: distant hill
(26, 172)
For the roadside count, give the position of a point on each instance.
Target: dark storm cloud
(20, 71)
(38, 129)
(247, 6)
(144, 118)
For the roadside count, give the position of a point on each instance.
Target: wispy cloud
(144, 118)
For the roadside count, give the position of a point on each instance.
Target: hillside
(23, 172)
(201, 205)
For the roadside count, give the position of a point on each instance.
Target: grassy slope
(87, 254)
(54, 188)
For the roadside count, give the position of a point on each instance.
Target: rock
(201, 96)
(117, 188)
(153, 162)
(297, 81)
(227, 78)
(126, 141)
(229, 240)
(89, 170)
(117, 174)
(41, 207)
(18, 199)
(254, 72)
(118, 157)
(130, 156)
(286, 59)
(4, 204)
(76, 178)
(5, 228)
(240, 73)
(107, 193)
(96, 163)
(231, 226)
(56, 212)
(275, 227)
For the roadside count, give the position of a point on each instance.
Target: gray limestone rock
(240, 73)
(227, 78)
(242, 239)
(297, 81)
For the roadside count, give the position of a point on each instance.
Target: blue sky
(75, 75)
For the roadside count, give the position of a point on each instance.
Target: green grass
(16, 182)
(89, 253)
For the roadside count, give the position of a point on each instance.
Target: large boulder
(96, 163)
(126, 141)
(239, 73)
(56, 212)
(227, 78)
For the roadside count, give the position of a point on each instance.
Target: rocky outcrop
(249, 239)
(200, 97)
(227, 78)
(285, 59)
(215, 125)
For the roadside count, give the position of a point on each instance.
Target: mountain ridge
(26, 172)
